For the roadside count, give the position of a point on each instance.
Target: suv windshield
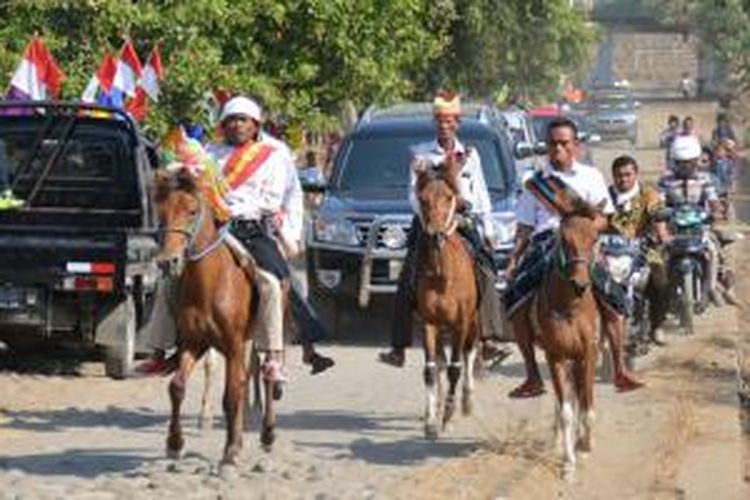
(94, 169)
(371, 163)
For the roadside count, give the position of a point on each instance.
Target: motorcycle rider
(637, 216)
(687, 184)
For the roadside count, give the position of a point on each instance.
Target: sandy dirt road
(355, 432)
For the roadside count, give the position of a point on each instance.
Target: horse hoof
(467, 407)
(228, 470)
(568, 472)
(584, 446)
(431, 431)
(204, 424)
(267, 438)
(278, 391)
(448, 411)
(174, 453)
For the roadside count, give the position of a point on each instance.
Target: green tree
(525, 46)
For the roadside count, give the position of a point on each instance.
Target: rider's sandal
(527, 391)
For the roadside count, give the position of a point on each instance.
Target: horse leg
(254, 410)
(564, 414)
(234, 393)
(585, 389)
(175, 441)
(268, 433)
(454, 374)
(470, 356)
(205, 416)
(430, 380)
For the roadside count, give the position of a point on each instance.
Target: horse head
(181, 211)
(437, 193)
(578, 236)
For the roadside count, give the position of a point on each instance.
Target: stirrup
(273, 371)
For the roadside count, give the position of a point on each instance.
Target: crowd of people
(265, 205)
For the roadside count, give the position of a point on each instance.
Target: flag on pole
(128, 71)
(38, 77)
(148, 86)
(99, 88)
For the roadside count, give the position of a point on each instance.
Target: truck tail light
(90, 267)
(102, 284)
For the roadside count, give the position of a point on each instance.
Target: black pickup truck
(76, 252)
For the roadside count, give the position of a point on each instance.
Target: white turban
(241, 106)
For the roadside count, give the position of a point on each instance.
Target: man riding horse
(477, 227)
(538, 219)
(264, 200)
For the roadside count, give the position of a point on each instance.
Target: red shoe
(529, 389)
(152, 367)
(626, 382)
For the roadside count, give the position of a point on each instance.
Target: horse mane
(179, 180)
(581, 208)
(447, 171)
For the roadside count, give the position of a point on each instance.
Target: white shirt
(587, 181)
(272, 190)
(471, 184)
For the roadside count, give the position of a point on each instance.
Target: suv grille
(363, 232)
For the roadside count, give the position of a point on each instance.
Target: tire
(119, 359)
(687, 303)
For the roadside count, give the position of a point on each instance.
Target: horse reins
(190, 234)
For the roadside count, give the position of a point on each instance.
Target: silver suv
(612, 112)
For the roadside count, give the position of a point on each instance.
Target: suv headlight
(339, 231)
(393, 237)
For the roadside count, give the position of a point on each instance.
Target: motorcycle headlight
(619, 267)
(393, 237)
(505, 229)
(339, 231)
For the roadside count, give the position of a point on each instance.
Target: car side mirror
(540, 148)
(523, 150)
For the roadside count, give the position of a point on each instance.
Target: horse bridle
(449, 225)
(190, 232)
(564, 262)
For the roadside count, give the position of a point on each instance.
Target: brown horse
(562, 316)
(213, 306)
(446, 295)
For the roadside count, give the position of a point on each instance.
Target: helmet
(685, 147)
(241, 106)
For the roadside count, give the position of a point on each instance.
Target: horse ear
(185, 180)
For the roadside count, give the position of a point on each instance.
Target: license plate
(10, 298)
(394, 269)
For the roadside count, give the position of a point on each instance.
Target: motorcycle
(625, 261)
(688, 254)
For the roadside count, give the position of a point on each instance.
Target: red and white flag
(38, 77)
(128, 71)
(101, 81)
(148, 86)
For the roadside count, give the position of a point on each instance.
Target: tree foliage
(723, 25)
(524, 46)
(305, 58)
